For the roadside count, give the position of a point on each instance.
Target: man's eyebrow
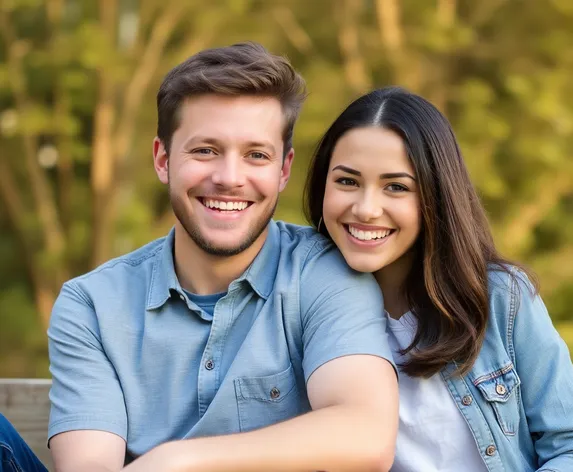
(263, 144)
(202, 139)
(217, 142)
(393, 175)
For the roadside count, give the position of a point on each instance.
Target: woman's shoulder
(509, 287)
(509, 280)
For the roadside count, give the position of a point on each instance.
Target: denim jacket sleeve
(544, 365)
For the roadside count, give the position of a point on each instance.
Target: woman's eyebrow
(349, 170)
(396, 175)
(392, 175)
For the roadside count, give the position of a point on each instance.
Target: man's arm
(87, 451)
(352, 428)
(88, 420)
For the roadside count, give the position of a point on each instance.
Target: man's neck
(203, 273)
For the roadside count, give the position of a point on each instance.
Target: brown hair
(240, 69)
(447, 287)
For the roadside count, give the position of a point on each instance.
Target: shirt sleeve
(342, 311)
(544, 366)
(86, 393)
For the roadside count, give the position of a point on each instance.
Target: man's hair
(240, 69)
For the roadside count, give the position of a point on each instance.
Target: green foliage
(501, 71)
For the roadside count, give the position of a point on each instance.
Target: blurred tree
(77, 116)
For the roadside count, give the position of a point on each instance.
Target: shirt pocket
(267, 400)
(501, 392)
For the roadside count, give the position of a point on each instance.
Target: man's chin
(226, 242)
(223, 251)
(224, 247)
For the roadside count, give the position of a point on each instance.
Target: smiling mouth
(224, 206)
(362, 235)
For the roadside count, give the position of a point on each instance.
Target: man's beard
(192, 229)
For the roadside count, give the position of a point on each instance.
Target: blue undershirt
(206, 302)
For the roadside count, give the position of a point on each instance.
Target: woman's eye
(346, 181)
(397, 188)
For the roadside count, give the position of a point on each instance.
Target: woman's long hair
(447, 286)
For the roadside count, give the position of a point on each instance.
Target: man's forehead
(254, 120)
(246, 104)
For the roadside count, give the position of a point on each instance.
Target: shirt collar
(260, 274)
(163, 278)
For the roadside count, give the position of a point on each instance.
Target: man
(235, 343)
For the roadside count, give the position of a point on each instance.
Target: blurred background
(78, 80)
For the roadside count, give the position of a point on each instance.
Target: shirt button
(209, 365)
(467, 400)
(490, 451)
(275, 393)
(500, 389)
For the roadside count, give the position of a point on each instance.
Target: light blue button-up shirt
(133, 355)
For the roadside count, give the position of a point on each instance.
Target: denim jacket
(518, 397)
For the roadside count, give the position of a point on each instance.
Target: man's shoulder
(303, 241)
(124, 267)
(297, 234)
(317, 258)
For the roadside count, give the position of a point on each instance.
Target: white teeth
(368, 235)
(227, 206)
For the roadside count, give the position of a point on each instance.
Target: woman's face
(371, 203)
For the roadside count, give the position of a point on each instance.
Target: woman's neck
(391, 280)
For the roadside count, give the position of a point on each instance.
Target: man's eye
(346, 181)
(258, 155)
(205, 151)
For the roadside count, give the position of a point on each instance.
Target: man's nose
(229, 172)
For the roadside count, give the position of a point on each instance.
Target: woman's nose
(367, 209)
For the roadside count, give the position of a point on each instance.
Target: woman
(486, 383)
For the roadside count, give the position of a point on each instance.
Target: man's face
(225, 170)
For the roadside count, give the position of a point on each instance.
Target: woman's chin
(363, 264)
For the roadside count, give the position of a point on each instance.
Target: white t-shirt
(433, 435)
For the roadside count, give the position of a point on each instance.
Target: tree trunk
(402, 64)
(103, 156)
(355, 68)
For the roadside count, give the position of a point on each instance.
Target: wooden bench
(26, 404)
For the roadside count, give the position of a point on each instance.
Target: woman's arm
(352, 428)
(544, 365)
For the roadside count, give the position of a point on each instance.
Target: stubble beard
(194, 232)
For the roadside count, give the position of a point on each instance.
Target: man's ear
(285, 171)
(160, 160)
